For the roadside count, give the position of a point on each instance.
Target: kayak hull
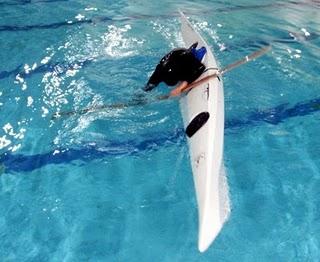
(202, 110)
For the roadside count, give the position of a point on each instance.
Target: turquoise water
(116, 184)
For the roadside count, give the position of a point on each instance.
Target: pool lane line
(276, 115)
(65, 66)
(17, 28)
(88, 151)
(102, 19)
(58, 67)
(28, 2)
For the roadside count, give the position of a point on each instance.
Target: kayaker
(181, 66)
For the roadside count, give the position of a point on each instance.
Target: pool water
(116, 184)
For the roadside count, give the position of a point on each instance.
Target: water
(116, 184)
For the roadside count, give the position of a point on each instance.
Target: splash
(118, 44)
(212, 33)
(169, 32)
(10, 137)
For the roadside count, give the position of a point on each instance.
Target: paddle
(230, 67)
(139, 102)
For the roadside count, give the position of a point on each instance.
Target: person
(181, 65)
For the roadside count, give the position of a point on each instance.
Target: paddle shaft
(228, 68)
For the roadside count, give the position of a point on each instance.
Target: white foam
(45, 111)
(117, 44)
(15, 147)
(207, 28)
(224, 195)
(71, 72)
(7, 128)
(306, 33)
(169, 32)
(4, 142)
(91, 9)
(29, 101)
(79, 17)
(45, 60)
(55, 152)
(19, 78)
(27, 68)
(24, 86)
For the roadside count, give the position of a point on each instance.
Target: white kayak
(203, 114)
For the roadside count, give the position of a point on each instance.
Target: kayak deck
(203, 114)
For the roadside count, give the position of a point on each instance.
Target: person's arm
(177, 91)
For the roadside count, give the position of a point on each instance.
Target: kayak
(202, 109)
